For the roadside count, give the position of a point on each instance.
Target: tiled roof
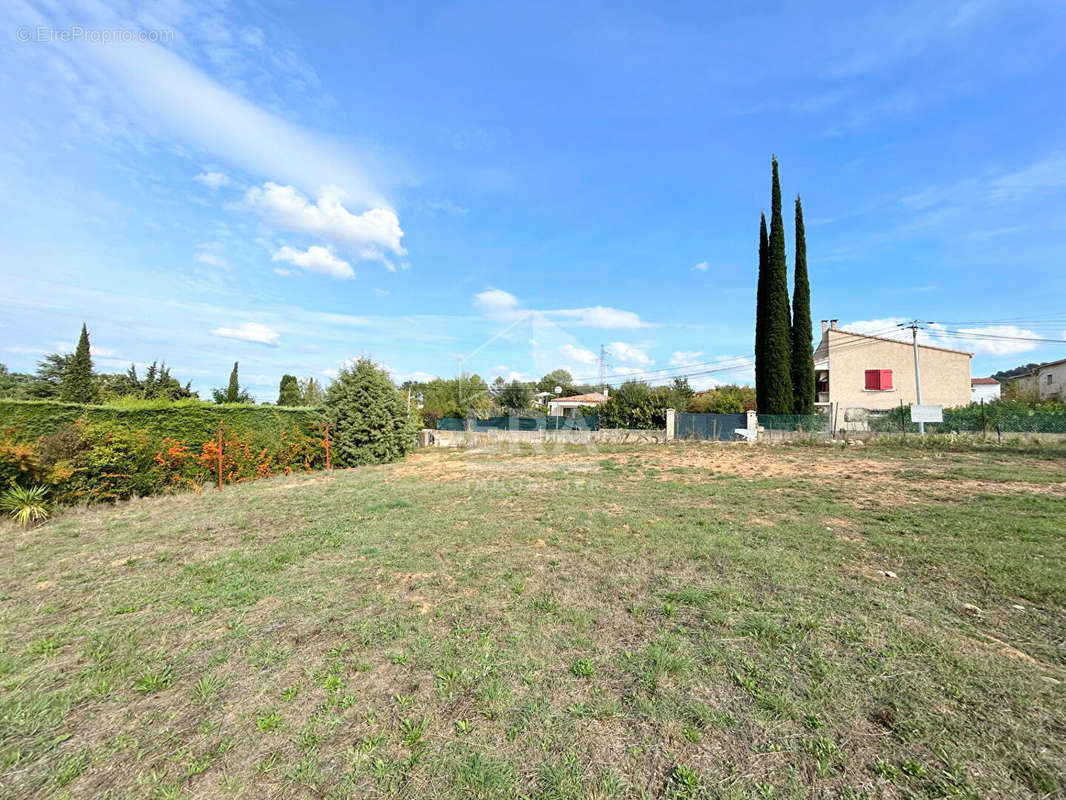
(593, 397)
(983, 382)
(897, 341)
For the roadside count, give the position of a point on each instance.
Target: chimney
(825, 326)
(833, 323)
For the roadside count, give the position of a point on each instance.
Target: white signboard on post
(927, 413)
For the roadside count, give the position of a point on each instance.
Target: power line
(996, 336)
(679, 371)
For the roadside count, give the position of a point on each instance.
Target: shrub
(19, 464)
(728, 399)
(368, 417)
(634, 405)
(191, 421)
(145, 449)
(26, 504)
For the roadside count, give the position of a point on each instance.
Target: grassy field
(691, 621)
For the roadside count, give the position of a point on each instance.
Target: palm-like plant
(26, 505)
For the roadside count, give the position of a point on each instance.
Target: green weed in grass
(154, 679)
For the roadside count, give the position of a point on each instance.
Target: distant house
(1049, 380)
(570, 406)
(854, 370)
(986, 389)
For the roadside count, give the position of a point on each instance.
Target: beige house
(1047, 379)
(569, 406)
(853, 370)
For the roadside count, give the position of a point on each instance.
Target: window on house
(878, 380)
(1049, 379)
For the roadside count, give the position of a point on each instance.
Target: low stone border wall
(496, 439)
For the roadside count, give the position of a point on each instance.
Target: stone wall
(498, 439)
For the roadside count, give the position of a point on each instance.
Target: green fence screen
(800, 423)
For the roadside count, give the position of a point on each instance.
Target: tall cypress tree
(77, 386)
(802, 338)
(233, 391)
(760, 318)
(777, 373)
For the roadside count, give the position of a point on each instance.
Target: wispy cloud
(198, 110)
(213, 180)
(684, 358)
(250, 332)
(504, 306)
(209, 258)
(703, 266)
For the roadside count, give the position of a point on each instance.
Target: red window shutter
(886, 379)
(873, 379)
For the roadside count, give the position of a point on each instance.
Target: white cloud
(180, 101)
(999, 347)
(249, 332)
(316, 259)
(684, 358)
(628, 354)
(936, 335)
(212, 259)
(213, 180)
(283, 272)
(703, 266)
(495, 302)
(368, 235)
(578, 355)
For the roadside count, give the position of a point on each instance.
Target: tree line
(71, 378)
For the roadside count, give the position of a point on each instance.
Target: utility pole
(603, 370)
(913, 325)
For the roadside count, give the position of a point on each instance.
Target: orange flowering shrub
(18, 465)
(93, 462)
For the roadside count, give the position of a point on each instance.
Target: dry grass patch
(672, 622)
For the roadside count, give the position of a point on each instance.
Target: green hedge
(193, 422)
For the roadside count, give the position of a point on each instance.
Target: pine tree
(77, 386)
(760, 316)
(802, 337)
(777, 376)
(289, 391)
(367, 416)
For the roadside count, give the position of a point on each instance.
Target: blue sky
(504, 188)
